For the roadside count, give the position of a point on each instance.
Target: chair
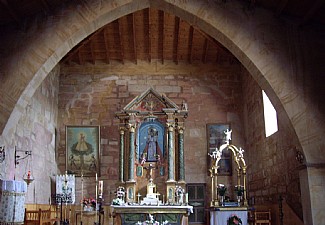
(262, 217)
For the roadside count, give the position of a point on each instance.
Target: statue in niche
(152, 151)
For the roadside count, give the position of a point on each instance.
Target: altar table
(12, 200)
(220, 215)
(89, 217)
(131, 214)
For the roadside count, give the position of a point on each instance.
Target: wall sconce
(18, 157)
(28, 177)
(2, 154)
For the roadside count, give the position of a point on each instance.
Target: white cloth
(221, 217)
(65, 185)
(12, 201)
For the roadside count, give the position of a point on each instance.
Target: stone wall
(272, 167)
(92, 96)
(35, 132)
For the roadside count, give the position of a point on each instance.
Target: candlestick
(82, 196)
(96, 194)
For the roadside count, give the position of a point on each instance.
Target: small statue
(184, 106)
(228, 135)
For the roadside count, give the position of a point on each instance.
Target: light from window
(270, 116)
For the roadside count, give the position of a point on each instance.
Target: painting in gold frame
(82, 150)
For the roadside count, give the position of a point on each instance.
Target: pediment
(150, 101)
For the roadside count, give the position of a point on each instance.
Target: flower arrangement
(151, 221)
(89, 202)
(221, 189)
(234, 220)
(239, 190)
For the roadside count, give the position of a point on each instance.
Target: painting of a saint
(82, 149)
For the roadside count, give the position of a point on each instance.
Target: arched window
(270, 116)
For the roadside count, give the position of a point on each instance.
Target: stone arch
(254, 43)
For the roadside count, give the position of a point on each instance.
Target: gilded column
(132, 153)
(121, 160)
(171, 170)
(181, 168)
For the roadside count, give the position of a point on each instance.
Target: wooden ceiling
(153, 35)
(148, 35)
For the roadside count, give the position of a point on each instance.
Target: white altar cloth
(221, 217)
(12, 201)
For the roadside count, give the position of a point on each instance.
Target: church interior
(154, 112)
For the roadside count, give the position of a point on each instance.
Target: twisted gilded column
(181, 168)
(121, 159)
(171, 170)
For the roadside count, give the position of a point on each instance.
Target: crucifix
(149, 169)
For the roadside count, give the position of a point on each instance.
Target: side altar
(222, 212)
(151, 186)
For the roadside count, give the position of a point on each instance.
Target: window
(270, 116)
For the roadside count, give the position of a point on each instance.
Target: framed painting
(215, 138)
(82, 150)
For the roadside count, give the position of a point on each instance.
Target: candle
(100, 188)
(96, 177)
(186, 198)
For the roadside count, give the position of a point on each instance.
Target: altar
(221, 215)
(138, 214)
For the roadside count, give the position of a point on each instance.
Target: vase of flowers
(234, 220)
(239, 189)
(89, 204)
(151, 221)
(221, 192)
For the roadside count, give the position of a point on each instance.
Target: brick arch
(250, 42)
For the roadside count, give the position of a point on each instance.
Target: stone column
(181, 168)
(171, 153)
(131, 152)
(121, 159)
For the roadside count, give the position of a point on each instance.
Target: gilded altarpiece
(151, 146)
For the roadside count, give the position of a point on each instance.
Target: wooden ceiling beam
(161, 33)
(45, 5)
(281, 6)
(92, 54)
(190, 44)
(80, 58)
(11, 11)
(311, 12)
(149, 35)
(106, 46)
(134, 39)
(205, 50)
(80, 45)
(120, 40)
(212, 40)
(176, 39)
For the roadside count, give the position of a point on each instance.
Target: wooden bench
(39, 217)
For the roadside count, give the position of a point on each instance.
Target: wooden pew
(39, 217)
